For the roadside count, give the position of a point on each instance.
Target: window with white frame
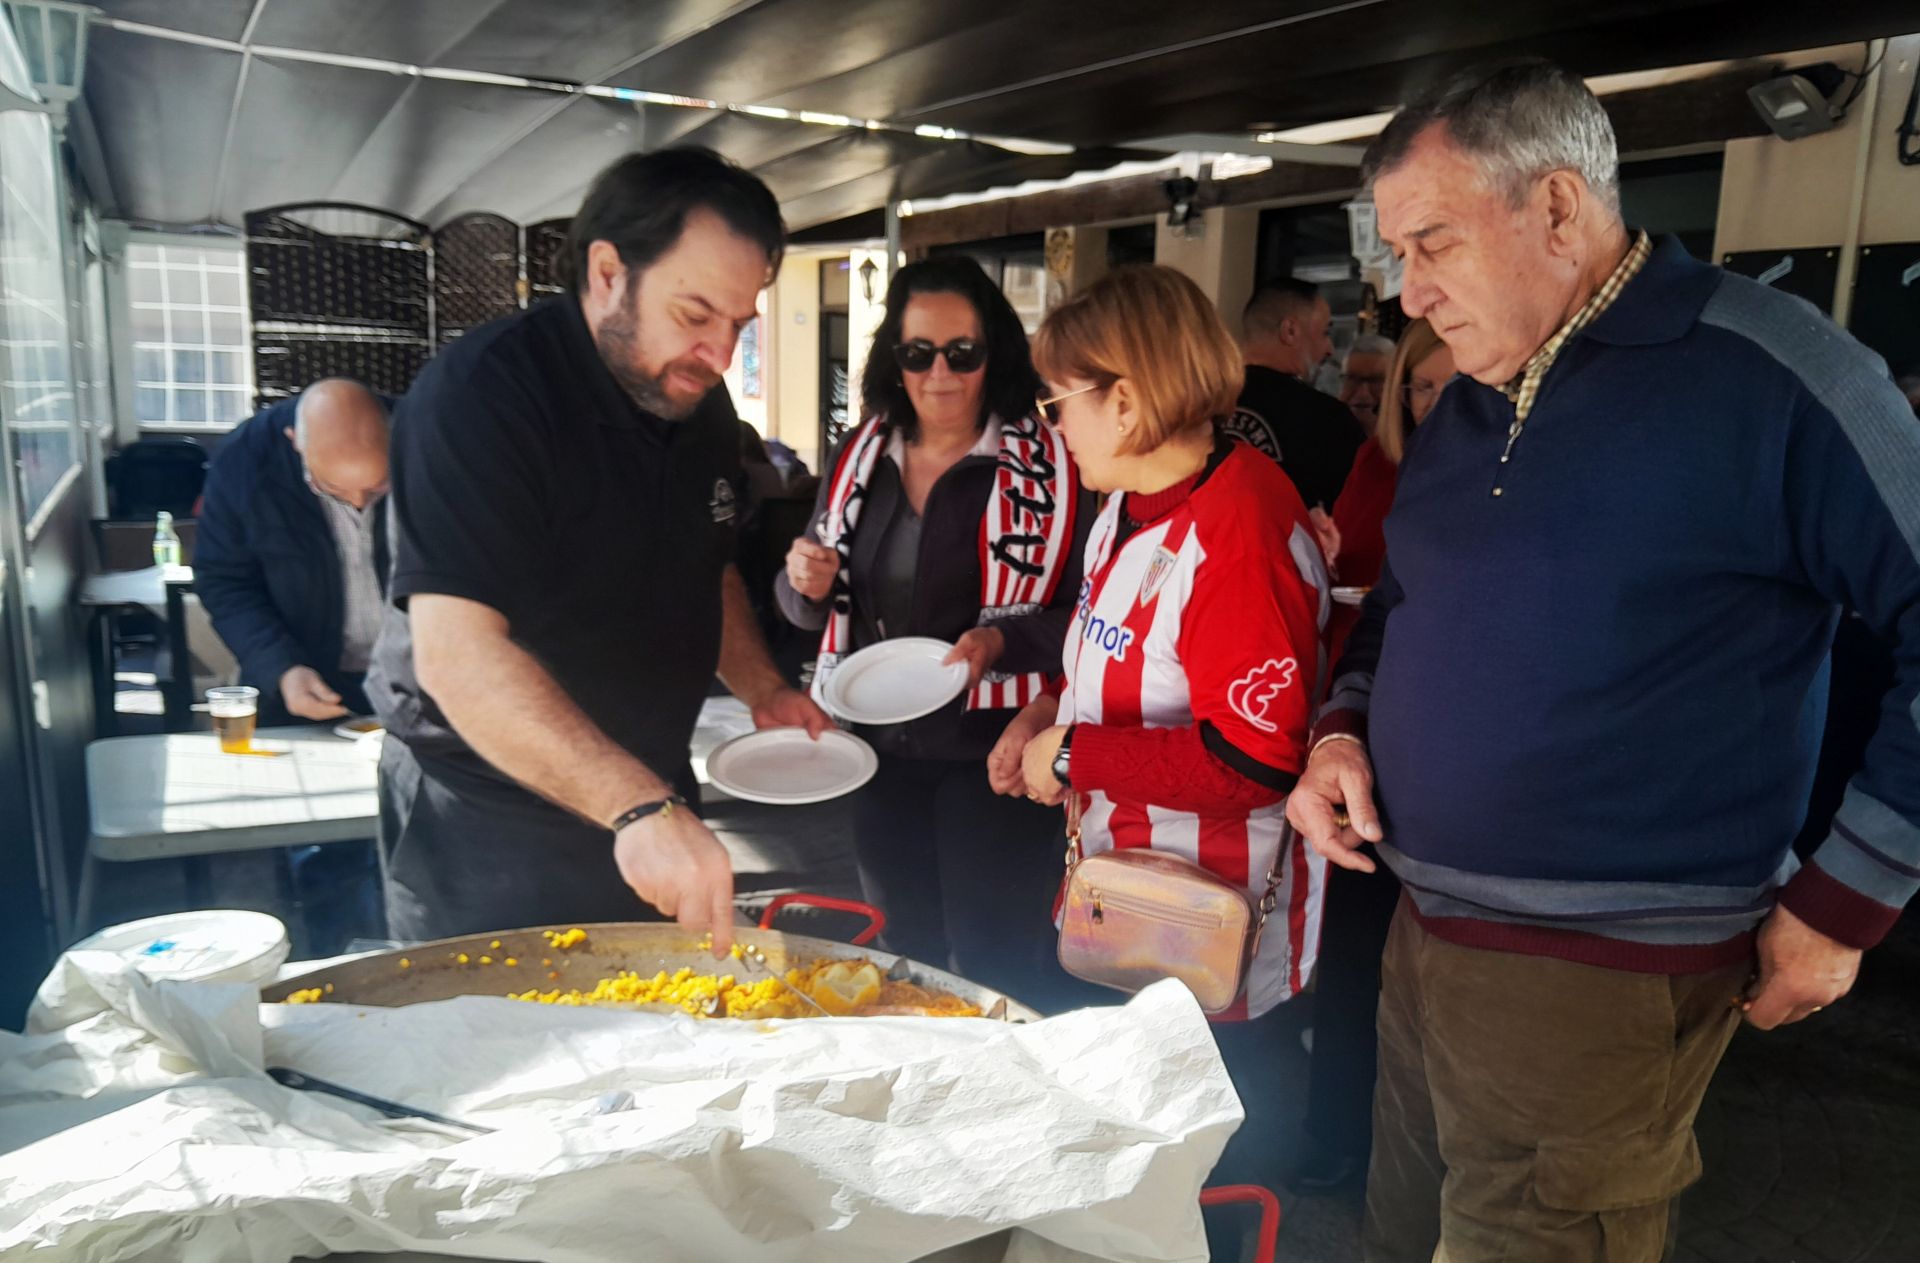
(192, 357)
(36, 366)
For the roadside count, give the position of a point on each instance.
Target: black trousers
(1346, 998)
(967, 877)
(464, 858)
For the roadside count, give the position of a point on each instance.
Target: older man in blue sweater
(1588, 689)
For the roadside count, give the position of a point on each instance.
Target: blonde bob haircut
(1154, 327)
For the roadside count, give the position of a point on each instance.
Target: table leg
(100, 651)
(177, 692)
(199, 871)
(83, 902)
(289, 887)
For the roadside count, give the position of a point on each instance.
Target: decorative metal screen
(476, 273)
(546, 242)
(337, 289)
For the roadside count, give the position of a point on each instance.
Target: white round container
(218, 945)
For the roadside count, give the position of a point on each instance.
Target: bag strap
(1075, 852)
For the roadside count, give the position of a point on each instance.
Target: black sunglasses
(964, 355)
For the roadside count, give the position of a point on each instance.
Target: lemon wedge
(842, 986)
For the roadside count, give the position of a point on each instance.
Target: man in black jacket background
(1311, 435)
(291, 559)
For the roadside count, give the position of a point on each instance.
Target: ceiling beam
(218, 189)
(1690, 116)
(1278, 150)
(84, 136)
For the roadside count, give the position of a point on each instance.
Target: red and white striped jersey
(1214, 613)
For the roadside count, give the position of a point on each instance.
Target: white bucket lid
(217, 945)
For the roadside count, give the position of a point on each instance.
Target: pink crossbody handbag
(1132, 917)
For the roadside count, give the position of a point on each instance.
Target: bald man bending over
(291, 559)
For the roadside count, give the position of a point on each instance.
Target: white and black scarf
(1025, 535)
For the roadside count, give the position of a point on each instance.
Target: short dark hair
(1012, 385)
(640, 203)
(1519, 119)
(1288, 298)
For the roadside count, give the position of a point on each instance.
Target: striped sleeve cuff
(1856, 883)
(1345, 722)
(1836, 909)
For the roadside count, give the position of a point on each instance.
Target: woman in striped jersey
(1195, 654)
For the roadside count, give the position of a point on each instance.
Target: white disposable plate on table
(1350, 596)
(894, 681)
(785, 767)
(357, 727)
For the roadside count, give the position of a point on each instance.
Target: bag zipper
(1146, 908)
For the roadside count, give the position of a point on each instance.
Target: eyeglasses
(964, 355)
(1045, 405)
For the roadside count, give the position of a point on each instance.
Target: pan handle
(1269, 1212)
(876, 919)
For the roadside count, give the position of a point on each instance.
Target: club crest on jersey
(1251, 696)
(1159, 570)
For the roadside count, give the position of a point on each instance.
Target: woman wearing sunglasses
(950, 512)
(1193, 662)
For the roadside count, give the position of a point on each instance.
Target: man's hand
(674, 862)
(1036, 765)
(811, 567)
(1338, 783)
(308, 696)
(1801, 971)
(979, 649)
(790, 708)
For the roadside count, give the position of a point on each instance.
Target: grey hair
(1520, 120)
(1368, 344)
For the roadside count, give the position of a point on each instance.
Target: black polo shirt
(1311, 434)
(526, 479)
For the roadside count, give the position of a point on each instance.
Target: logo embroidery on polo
(1251, 696)
(721, 505)
(1251, 428)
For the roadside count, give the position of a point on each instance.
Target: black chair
(115, 632)
(156, 475)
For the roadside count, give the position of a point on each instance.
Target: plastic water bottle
(166, 541)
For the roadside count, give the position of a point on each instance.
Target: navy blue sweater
(1594, 702)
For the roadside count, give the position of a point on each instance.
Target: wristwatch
(1062, 758)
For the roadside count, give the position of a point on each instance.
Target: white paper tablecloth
(135, 1123)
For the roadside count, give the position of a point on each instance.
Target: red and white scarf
(1025, 535)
